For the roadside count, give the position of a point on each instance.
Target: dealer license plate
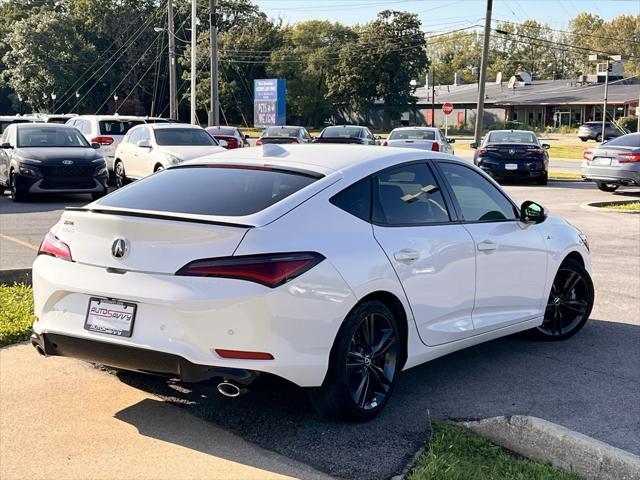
(113, 317)
(511, 166)
(601, 161)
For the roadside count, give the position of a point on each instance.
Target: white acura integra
(334, 267)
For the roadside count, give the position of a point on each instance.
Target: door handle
(406, 255)
(487, 246)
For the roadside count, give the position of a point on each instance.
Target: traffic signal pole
(483, 72)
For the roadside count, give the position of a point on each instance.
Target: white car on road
(423, 138)
(145, 149)
(330, 266)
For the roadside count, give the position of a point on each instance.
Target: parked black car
(50, 158)
(348, 134)
(513, 154)
(284, 134)
(593, 131)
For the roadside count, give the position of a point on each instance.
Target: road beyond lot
(590, 383)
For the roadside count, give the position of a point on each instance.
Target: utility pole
(194, 39)
(214, 113)
(173, 101)
(483, 72)
(433, 95)
(604, 107)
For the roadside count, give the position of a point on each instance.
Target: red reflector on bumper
(239, 354)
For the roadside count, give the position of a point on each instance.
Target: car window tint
(631, 140)
(512, 137)
(209, 190)
(134, 136)
(355, 199)
(478, 198)
(408, 195)
(117, 127)
(342, 132)
(183, 137)
(50, 137)
(412, 135)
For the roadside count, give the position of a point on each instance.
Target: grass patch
(632, 206)
(564, 149)
(565, 176)
(457, 454)
(16, 313)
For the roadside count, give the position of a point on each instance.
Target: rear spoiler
(157, 216)
(342, 140)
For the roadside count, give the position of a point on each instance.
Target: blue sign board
(269, 102)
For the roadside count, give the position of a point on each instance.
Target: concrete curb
(9, 277)
(597, 206)
(541, 440)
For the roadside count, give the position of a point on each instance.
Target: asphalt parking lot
(590, 383)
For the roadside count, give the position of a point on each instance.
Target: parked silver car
(423, 138)
(593, 131)
(614, 163)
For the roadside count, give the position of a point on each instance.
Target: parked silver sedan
(614, 163)
(423, 138)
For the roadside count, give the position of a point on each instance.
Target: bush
(629, 123)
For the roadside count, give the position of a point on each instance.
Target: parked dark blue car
(513, 154)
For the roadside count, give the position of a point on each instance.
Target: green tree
(389, 53)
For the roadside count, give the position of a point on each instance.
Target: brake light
(588, 155)
(385, 144)
(102, 140)
(629, 157)
(435, 147)
(241, 354)
(271, 270)
(54, 247)
(258, 142)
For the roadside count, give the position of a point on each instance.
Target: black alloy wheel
(364, 365)
(607, 187)
(569, 304)
(119, 173)
(17, 195)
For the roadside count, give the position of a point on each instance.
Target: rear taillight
(258, 142)
(53, 246)
(629, 157)
(102, 140)
(270, 270)
(385, 144)
(588, 155)
(435, 147)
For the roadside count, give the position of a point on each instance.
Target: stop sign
(447, 108)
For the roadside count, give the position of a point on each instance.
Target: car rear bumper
(192, 317)
(617, 175)
(521, 173)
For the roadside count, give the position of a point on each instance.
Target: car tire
(584, 139)
(98, 195)
(607, 187)
(569, 304)
(17, 195)
(544, 179)
(363, 367)
(120, 176)
(599, 137)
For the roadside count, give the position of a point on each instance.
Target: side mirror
(5, 146)
(95, 145)
(223, 143)
(546, 146)
(474, 145)
(532, 213)
(144, 144)
(451, 140)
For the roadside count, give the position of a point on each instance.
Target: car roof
(415, 128)
(110, 117)
(345, 126)
(42, 125)
(163, 125)
(322, 158)
(513, 131)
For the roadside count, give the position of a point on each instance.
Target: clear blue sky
(443, 15)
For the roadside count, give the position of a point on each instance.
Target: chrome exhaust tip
(39, 349)
(229, 389)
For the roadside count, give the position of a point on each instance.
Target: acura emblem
(67, 162)
(511, 151)
(120, 248)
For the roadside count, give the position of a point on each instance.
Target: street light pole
(194, 33)
(173, 101)
(606, 94)
(483, 72)
(214, 114)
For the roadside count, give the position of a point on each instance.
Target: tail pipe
(38, 344)
(230, 390)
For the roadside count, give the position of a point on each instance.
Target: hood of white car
(190, 152)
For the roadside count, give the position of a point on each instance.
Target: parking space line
(19, 242)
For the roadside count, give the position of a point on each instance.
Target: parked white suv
(146, 149)
(107, 130)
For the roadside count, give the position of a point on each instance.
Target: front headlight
(173, 160)
(31, 170)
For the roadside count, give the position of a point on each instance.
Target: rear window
(231, 132)
(183, 137)
(512, 137)
(412, 135)
(631, 140)
(117, 127)
(218, 191)
(281, 132)
(343, 132)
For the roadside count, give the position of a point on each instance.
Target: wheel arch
(575, 256)
(157, 164)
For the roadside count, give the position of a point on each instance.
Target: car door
(127, 149)
(5, 157)
(432, 255)
(511, 257)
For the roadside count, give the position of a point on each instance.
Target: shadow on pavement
(42, 203)
(589, 383)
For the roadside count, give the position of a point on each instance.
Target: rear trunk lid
(151, 244)
(407, 143)
(278, 140)
(514, 152)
